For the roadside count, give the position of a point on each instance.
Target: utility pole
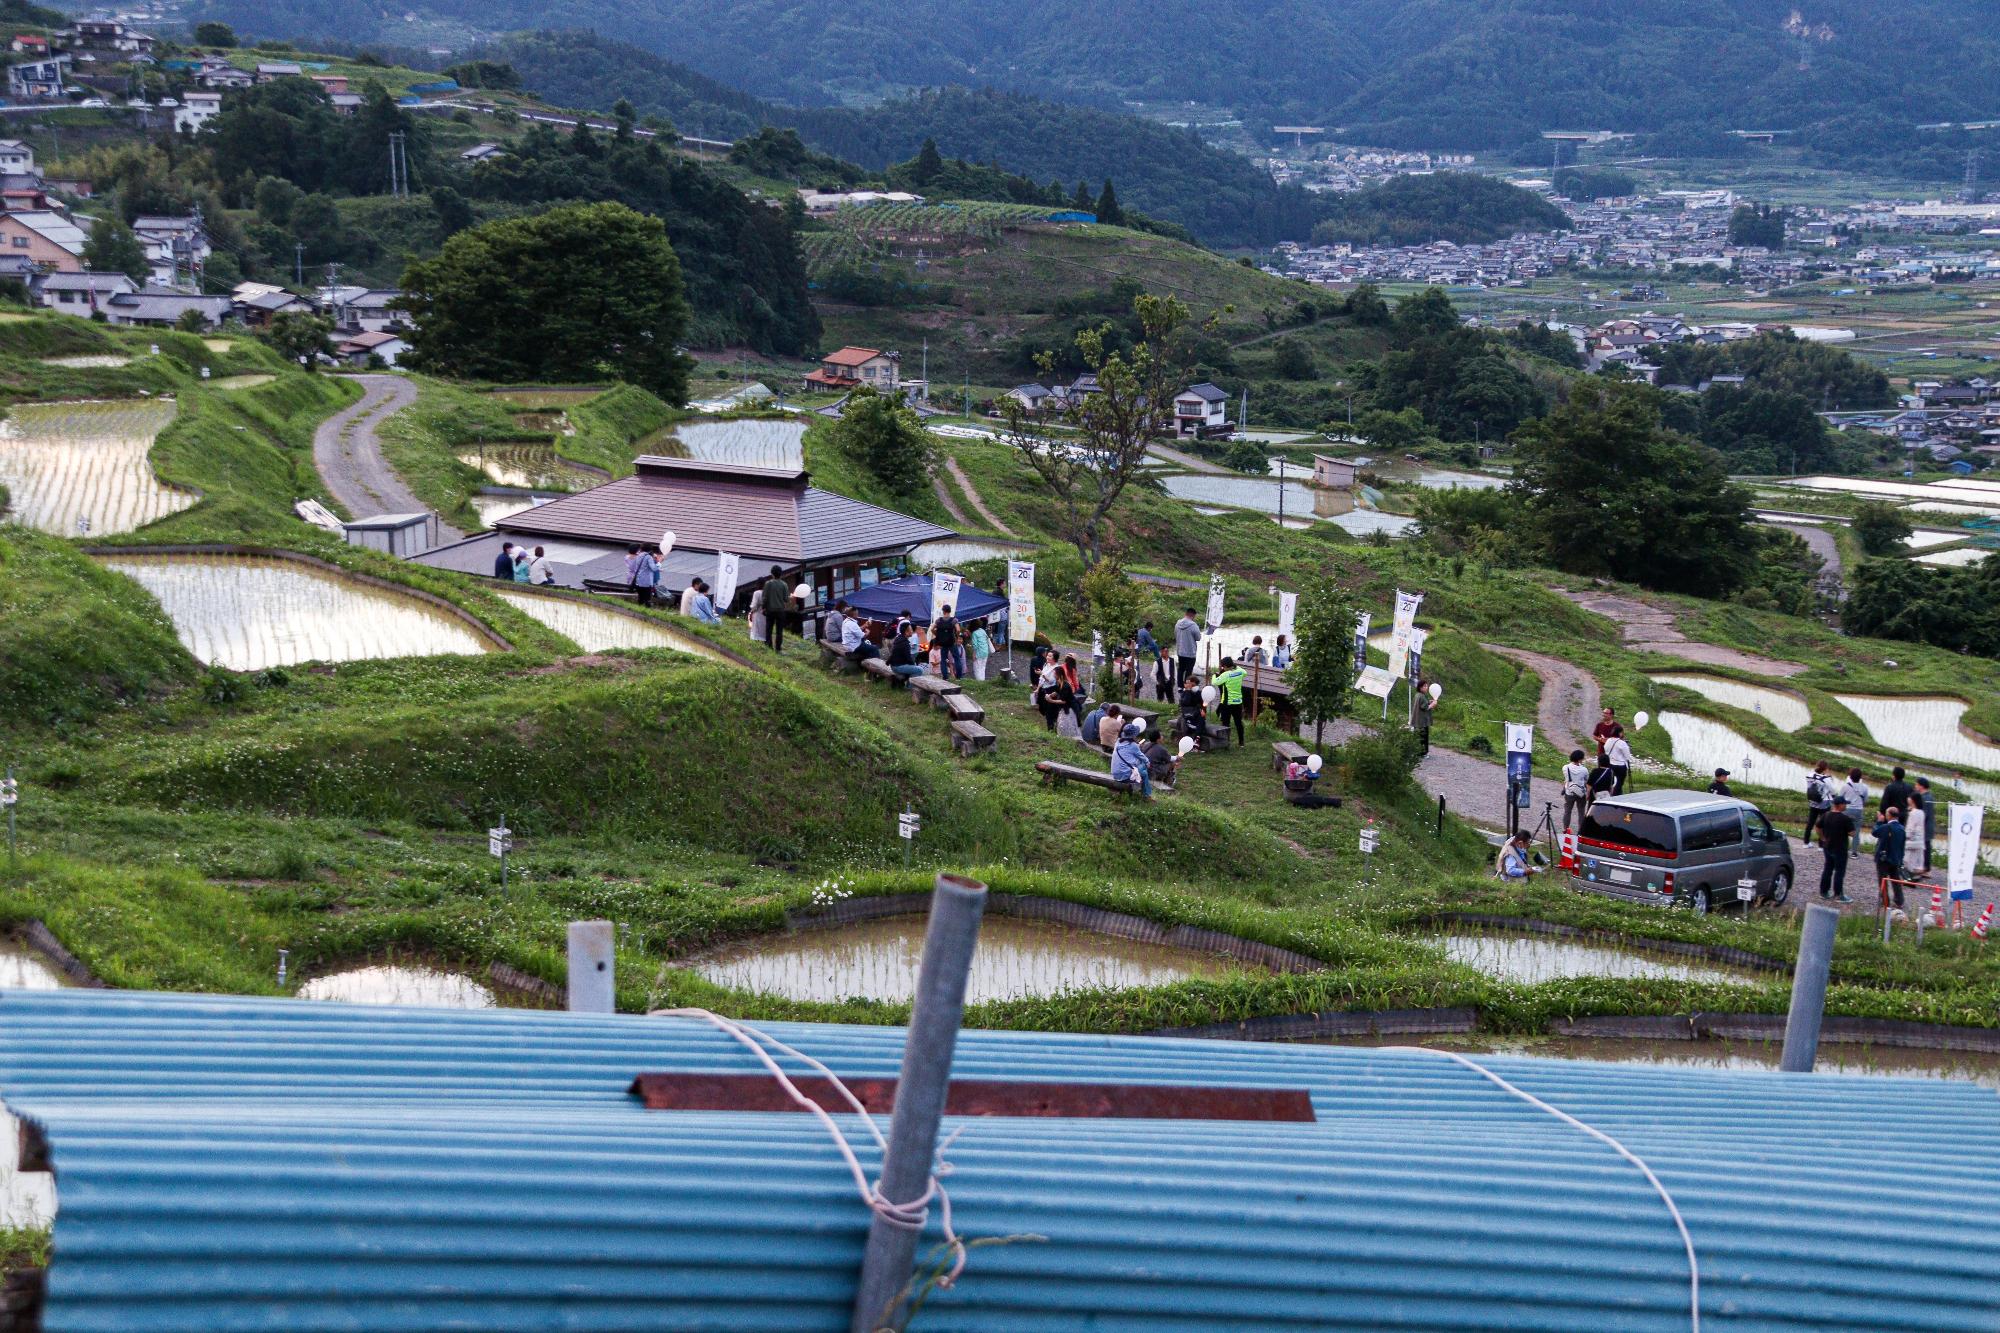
(298, 263)
(399, 166)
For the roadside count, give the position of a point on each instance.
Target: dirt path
(943, 493)
(1651, 629)
(1570, 698)
(1822, 544)
(972, 498)
(1188, 461)
(348, 453)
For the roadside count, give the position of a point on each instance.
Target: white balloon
(1187, 746)
(667, 542)
(1209, 695)
(1313, 764)
(1436, 691)
(1641, 718)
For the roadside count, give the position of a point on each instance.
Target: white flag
(1963, 849)
(1215, 589)
(944, 592)
(725, 581)
(1288, 610)
(1399, 638)
(1520, 737)
(1020, 600)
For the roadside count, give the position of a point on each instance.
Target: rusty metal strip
(982, 1097)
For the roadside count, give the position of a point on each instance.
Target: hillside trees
(1322, 670)
(578, 293)
(886, 438)
(1447, 206)
(1881, 527)
(112, 248)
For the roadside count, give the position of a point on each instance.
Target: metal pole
(1440, 824)
(504, 840)
(13, 794)
(592, 978)
(953, 934)
(1809, 977)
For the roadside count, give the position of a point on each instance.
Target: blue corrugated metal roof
(238, 1164)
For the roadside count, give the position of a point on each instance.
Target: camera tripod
(1546, 828)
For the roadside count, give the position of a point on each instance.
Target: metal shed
(401, 535)
(244, 1164)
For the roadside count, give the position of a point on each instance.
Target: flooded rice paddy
(1929, 728)
(1531, 959)
(1958, 557)
(532, 467)
(251, 612)
(24, 969)
(95, 361)
(492, 508)
(242, 381)
(1852, 1059)
(744, 443)
(394, 983)
(1925, 538)
(964, 550)
(69, 461)
(1784, 711)
(1017, 958)
(1703, 745)
(597, 629)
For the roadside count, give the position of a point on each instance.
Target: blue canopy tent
(911, 596)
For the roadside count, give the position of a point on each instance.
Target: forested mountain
(1448, 73)
(1447, 206)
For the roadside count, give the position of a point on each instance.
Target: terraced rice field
(1956, 558)
(70, 461)
(597, 629)
(1929, 728)
(241, 381)
(1786, 712)
(99, 361)
(532, 467)
(534, 399)
(219, 346)
(774, 444)
(394, 984)
(1703, 745)
(251, 612)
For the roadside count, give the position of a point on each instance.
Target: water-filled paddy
(68, 461)
(1786, 712)
(957, 551)
(534, 467)
(1704, 745)
(251, 612)
(1958, 557)
(492, 508)
(96, 361)
(400, 984)
(233, 382)
(742, 443)
(1536, 958)
(1929, 728)
(596, 629)
(1016, 958)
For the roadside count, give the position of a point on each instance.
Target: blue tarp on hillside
(911, 596)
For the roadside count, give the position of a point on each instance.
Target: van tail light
(1668, 885)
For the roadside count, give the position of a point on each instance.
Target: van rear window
(1641, 830)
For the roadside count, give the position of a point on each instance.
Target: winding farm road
(1570, 698)
(348, 453)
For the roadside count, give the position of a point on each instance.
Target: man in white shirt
(1576, 787)
(854, 640)
(688, 596)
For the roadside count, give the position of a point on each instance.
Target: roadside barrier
(1979, 926)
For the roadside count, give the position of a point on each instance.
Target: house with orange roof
(852, 367)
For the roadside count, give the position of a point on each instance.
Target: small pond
(1786, 712)
(395, 983)
(1536, 958)
(1703, 745)
(596, 629)
(1017, 958)
(745, 443)
(532, 467)
(24, 969)
(68, 461)
(1930, 728)
(963, 550)
(251, 612)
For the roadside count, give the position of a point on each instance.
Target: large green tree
(1605, 488)
(579, 293)
(112, 248)
(1322, 670)
(885, 437)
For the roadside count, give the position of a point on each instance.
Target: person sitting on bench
(903, 653)
(854, 640)
(1299, 780)
(1129, 762)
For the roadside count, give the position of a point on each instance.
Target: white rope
(911, 1215)
(1687, 1241)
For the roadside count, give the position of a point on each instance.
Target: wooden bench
(969, 738)
(1286, 752)
(961, 707)
(933, 686)
(1057, 774)
(875, 666)
(833, 657)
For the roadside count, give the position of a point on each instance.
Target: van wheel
(1781, 886)
(1702, 902)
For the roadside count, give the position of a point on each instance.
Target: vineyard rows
(70, 461)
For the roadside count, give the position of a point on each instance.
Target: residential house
(852, 367)
(29, 44)
(177, 248)
(151, 308)
(81, 293)
(225, 76)
(259, 310)
(195, 111)
(50, 240)
(357, 349)
(377, 310)
(1333, 473)
(346, 104)
(279, 69)
(1201, 409)
(1034, 397)
(39, 78)
(107, 35)
(74, 186)
(332, 83)
(482, 152)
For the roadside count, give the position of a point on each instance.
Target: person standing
(1856, 792)
(1930, 819)
(1163, 680)
(982, 648)
(1052, 694)
(1720, 786)
(1425, 707)
(1836, 827)
(804, 598)
(1890, 839)
(632, 568)
(1607, 726)
(646, 577)
(1281, 653)
(777, 597)
(757, 615)
(1254, 655)
(1618, 754)
(1149, 647)
(1576, 789)
(944, 639)
(1230, 680)
(1073, 682)
(1819, 800)
(1897, 793)
(1916, 832)
(1187, 642)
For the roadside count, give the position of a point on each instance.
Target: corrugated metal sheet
(235, 1164)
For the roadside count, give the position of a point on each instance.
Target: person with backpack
(944, 640)
(646, 577)
(1856, 792)
(1819, 800)
(1576, 789)
(1603, 782)
(1230, 680)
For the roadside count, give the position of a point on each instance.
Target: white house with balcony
(1201, 409)
(195, 111)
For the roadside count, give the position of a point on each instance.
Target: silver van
(1682, 847)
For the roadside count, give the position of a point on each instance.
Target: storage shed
(401, 535)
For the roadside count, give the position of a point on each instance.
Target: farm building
(257, 1164)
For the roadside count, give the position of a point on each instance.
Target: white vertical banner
(1399, 638)
(726, 570)
(1520, 737)
(944, 592)
(1288, 612)
(1216, 586)
(1361, 641)
(1416, 661)
(1963, 849)
(1020, 600)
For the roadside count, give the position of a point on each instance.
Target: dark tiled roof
(758, 513)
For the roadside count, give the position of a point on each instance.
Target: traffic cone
(1937, 900)
(1979, 926)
